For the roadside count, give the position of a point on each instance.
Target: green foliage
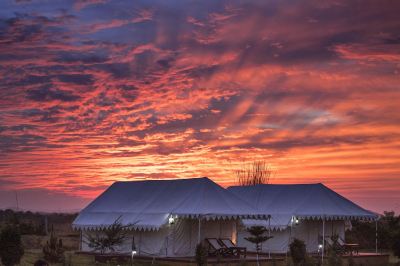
(11, 250)
(107, 239)
(201, 255)
(257, 236)
(298, 252)
(388, 233)
(53, 251)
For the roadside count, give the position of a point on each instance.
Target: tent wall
(146, 242)
(176, 240)
(310, 231)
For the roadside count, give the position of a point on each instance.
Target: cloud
(81, 4)
(97, 91)
(49, 94)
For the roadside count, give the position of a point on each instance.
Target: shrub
(351, 261)
(298, 251)
(201, 254)
(40, 263)
(334, 258)
(11, 250)
(53, 251)
(396, 246)
(109, 238)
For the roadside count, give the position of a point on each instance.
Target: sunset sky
(97, 91)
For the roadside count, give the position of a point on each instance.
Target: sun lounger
(329, 243)
(235, 251)
(215, 248)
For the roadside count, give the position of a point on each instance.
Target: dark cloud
(88, 57)
(25, 142)
(118, 70)
(79, 79)
(44, 94)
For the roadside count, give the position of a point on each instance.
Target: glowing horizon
(98, 91)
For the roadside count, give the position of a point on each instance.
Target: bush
(201, 255)
(11, 250)
(396, 246)
(53, 251)
(351, 261)
(40, 263)
(334, 258)
(298, 252)
(108, 239)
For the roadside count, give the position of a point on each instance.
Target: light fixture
(296, 221)
(171, 220)
(134, 252)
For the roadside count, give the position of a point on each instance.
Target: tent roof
(306, 201)
(148, 204)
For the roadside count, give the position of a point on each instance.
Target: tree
(201, 255)
(257, 237)
(257, 172)
(396, 246)
(11, 250)
(298, 251)
(107, 239)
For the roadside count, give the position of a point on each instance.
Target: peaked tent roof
(148, 204)
(307, 201)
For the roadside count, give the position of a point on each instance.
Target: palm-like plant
(109, 238)
(257, 237)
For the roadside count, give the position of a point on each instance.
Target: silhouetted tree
(257, 172)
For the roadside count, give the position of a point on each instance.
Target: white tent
(304, 211)
(199, 207)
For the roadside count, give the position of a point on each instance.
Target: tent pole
(199, 234)
(323, 238)
(269, 234)
(376, 236)
(80, 240)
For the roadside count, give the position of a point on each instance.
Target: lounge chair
(349, 247)
(329, 243)
(215, 248)
(234, 250)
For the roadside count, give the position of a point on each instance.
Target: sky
(96, 91)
